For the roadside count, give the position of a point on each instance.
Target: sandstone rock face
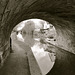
(14, 11)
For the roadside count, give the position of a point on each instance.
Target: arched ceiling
(14, 11)
(18, 8)
(60, 13)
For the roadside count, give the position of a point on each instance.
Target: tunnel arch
(58, 23)
(39, 15)
(64, 29)
(43, 23)
(35, 15)
(12, 13)
(34, 18)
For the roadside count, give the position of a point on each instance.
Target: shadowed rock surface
(64, 64)
(60, 13)
(17, 62)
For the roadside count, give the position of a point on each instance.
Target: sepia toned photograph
(37, 37)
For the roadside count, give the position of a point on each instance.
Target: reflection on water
(38, 46)
(28, 39)
(42, 57)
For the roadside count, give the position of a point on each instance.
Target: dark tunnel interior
(59, 13)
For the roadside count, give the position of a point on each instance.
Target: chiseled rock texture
(60, 13)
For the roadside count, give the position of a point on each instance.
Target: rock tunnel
(60, 13)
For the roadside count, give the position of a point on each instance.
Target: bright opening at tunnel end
(38, 35)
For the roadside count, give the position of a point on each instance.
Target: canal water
(39, 47)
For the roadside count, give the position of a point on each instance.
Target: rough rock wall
(65, 39)
(14, 11)
(65, 35)
(10, 11)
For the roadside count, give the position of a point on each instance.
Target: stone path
(16, 63)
